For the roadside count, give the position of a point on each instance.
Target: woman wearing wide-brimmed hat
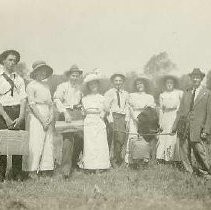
(167, 147)
(96, 151)
(40, 120)
(138, 100)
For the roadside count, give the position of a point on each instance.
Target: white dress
(39, 94)
(167, 145)
(96, 151)
(137, 102)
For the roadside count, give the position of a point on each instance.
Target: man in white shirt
(116, 103)
(12, 107)
(68, 102)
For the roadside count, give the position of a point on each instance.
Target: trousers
(118, 127)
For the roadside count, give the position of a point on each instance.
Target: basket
(13, 142)
(139, 148)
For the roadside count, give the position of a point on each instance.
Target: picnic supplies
(14, 142)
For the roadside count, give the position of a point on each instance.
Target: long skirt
(40, 143)
(95, 151)
(168, 146)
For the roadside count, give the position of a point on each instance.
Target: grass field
(158, 187)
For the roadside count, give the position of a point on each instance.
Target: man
(116, 102)
(68, 101)
(12, 107)
(195, 110)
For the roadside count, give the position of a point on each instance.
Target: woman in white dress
(40, 122)
(95, 151)
(167, 147)
(138, 101)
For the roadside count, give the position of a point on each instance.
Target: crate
(13, 142)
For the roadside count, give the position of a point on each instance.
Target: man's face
(118, 82)
(74, 77)
(169, 84)
(10, 62)
(196, 80)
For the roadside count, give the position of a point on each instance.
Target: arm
(6, 117)
(207, 126)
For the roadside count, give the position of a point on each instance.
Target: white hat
(91, 77)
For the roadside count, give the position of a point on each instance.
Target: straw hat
(117, 75)
(40, 66)
(73, 69)
(4, 55)
(164, 78)
(91, 77)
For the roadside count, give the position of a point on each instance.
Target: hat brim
(163, 79)
(200, 74)
(48, 71)
(4, 55)
(69, 72)
(117, 75)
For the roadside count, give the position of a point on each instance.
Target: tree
(158, 65)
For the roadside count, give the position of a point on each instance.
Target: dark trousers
(118, 128)
(200, 153)
(13, 112)
(72, 147)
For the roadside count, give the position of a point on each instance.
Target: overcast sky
(113, 35)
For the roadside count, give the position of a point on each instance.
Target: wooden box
(13, 142)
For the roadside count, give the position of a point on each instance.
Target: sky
(111, 35)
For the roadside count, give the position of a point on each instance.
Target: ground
(158, 187)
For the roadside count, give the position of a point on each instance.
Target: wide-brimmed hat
(197, 71)
(145, 80)
(91, 77)
(73, 68)
(117, 75)
(4, 55)
(164, 78)
(40, 66)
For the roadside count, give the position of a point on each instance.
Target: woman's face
(169, 84)
(41, 76)
(93, 86)
(140, 86)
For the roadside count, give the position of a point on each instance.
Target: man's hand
(67, 117)
(9, 122)
(204, 136)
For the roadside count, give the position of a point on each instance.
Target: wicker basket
(13, 142)
(139, 148)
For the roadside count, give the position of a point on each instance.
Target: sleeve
(152, 102)
(207, 126)
(127, 109)
(161, 108)
(22, 90)
(30, 94)
(107, 104)
(179, 113)
(58, 97)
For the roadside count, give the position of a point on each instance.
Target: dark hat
(117, 75)
(38, 67)
(4, 55)
(73, 68)
(197, 71)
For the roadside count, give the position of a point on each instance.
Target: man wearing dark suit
(195, 107)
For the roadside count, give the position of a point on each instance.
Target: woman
(167, 149)
(40, 121)
(138, 101)
(95, 151)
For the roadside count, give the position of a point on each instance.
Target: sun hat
(197, 71)
(4, 55)
(117, 75)
(73, 68)
(40, 66)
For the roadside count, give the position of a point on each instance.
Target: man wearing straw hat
(195, 111)
(68, 101)
(116, 100)
(12, 107)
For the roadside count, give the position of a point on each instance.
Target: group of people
(110, 121)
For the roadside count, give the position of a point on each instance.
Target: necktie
(118, 98)
(192, 99)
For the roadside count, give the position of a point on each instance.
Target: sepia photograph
(105, 105)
